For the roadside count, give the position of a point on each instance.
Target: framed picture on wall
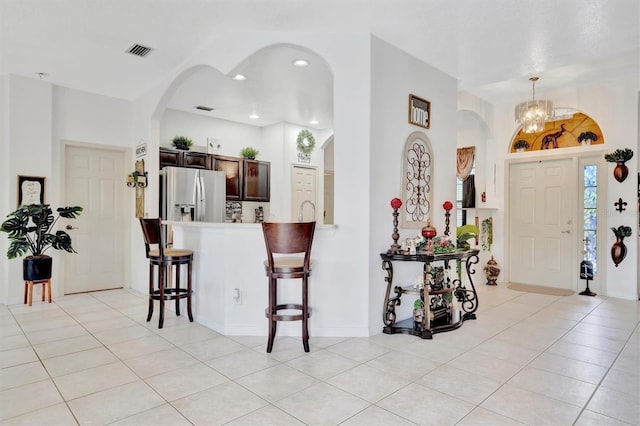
(419, 111)
(30, 190)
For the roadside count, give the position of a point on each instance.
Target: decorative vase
(621, 171)
(618, 250)
(492, 271)
(36, 268)
(429, 231)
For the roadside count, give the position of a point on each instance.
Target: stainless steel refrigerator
(192, 195)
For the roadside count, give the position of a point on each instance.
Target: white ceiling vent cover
(139, 50)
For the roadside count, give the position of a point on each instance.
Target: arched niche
(417, 181)
(285, 97)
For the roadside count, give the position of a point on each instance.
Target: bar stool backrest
(288, 238)
(152, 232)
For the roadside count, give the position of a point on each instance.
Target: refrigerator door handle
(200, 198)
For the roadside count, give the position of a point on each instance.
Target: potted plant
(586, 138)
(30, 230)
(182, 142)
(620, 156)
(464, 233)
(249, 153)
(521, 145)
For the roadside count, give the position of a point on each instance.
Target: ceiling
(492, 47)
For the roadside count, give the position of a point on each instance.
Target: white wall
(395, 75)
(38, 119)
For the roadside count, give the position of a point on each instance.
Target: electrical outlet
(237, 296)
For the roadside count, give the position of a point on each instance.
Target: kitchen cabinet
(233, 168)
(256, 180)
(177, 158)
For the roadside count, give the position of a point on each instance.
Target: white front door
(304, 187)
(95, 180)
(542, 223)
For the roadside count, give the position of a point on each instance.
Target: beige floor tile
(57, 322)
(553, 385)
(164, 415)
(376, 416)
(605, 343)
(108, 324)
(575, 369)
(623, 381)
(368, 383)
(405, 365)
(28, 398)
(507, 351)
(115, 404)
(583, 353)
(360, 350)
(284, 348)
(122, 334)
(78, 361)
(13, 342)
(441, 409)
(241, 363)
(11, 329)
(486, 366)
(66, 346)
(185, 381)
(268, 415)
(219, 405)
(192, 334)
(480, 416)
(465, 385)
(621, 406)
(12, 357)
(322, 364)
(44, 336)
(590, 418)
(160, 362)
(275, 383)
(322, 404)
(58, 415)
(209, 349)
(530, 408)
(137, 347)
(85, 382)
(22, 374)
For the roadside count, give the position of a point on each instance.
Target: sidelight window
(589, 209)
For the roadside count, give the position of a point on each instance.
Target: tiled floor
(528, 359)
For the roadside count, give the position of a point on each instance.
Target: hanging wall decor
(305, 144)
(417, 191)
(618, 249)
(620, 205)
(620, 157)
(419, 111)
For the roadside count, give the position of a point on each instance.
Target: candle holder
(396, 203)
(447, 206)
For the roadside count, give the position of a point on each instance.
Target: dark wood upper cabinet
(233, 169)
(195, 160)
(256, 180)
(170, 157)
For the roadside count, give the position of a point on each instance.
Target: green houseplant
(249, 152)
(182, 142)
(30, 230)
(521, 145)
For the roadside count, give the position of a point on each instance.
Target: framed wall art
(30, 190)
(419, 111)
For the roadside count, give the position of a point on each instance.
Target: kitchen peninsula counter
(229, 256)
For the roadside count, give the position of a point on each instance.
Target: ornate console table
(449, 303)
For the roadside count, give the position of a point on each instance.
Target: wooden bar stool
(164, 259)
(288, 239)
(28, 290)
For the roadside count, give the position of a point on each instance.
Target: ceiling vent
(139, 50)
(204, 108)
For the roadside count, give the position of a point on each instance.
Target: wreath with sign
(306, 142)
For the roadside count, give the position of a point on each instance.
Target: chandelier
(534, 113)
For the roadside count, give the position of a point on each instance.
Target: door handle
(568, 231)
(69, 227)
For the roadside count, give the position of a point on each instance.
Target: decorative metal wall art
(620, 205)
(620, 157)
(417, 191)
(618, 249)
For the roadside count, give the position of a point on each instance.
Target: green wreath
(306, 142)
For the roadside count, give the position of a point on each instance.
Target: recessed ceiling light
(300, 63)
(239, 77)
(314, 122)
(254, 116)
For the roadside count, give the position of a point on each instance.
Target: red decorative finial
(447, 206)
(396, 203)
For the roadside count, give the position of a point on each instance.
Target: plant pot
(621, 171)
(618, 250)
(35, 268)
(492, 271)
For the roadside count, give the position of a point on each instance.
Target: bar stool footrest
(288, 317)
(171, 294)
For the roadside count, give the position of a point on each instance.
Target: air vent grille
(204, 108)
(139, 50)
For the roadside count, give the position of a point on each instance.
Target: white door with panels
(95, 180)
(543, 223)
(304, 184)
